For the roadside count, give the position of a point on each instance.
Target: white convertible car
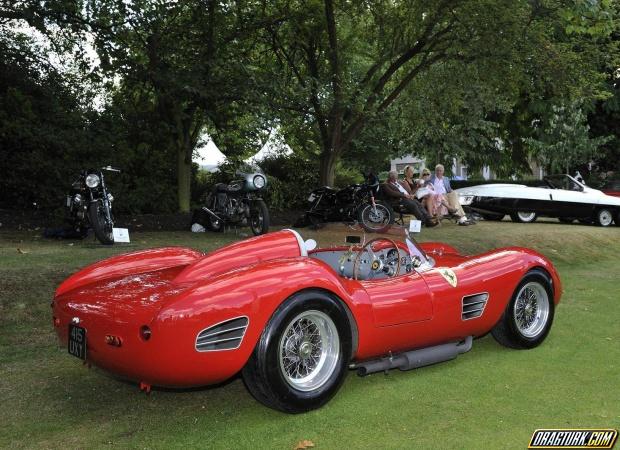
(562, 196)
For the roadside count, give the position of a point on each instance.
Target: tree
(563, 140)
(188, 58)
(340, 65)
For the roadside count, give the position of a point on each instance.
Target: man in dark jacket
(394, 189)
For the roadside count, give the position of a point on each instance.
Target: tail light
(114, 341)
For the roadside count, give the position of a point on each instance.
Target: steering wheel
(368, 247)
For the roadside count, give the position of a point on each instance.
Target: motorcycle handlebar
(111, 169)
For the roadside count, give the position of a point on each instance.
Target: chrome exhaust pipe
(207, 210)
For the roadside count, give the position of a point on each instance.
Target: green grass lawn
(491, 397)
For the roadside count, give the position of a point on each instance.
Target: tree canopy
(349, 84)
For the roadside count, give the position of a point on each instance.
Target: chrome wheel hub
(309, 350)
(376, 214)
(605, 218)
(531, 309)
(526, 216)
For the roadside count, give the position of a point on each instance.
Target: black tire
(604, 217)
(264, 373)
(103, 231)
(524, 217)
(508, 333)
(617, 219)
(302, 221)
(493, 217)
(378, 221)
(259, 217)
(566, 219)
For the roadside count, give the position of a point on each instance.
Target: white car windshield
(565, 182)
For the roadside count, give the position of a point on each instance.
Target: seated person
(442, 187)
(394, 189)
(436, 204)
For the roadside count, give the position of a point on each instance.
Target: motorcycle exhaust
(416, 358)
(204, 208)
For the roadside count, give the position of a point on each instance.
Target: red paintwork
(612, 193)
(179, 292)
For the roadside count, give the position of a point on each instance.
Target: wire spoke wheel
(309, 350)
(375, 218)
(531, 309)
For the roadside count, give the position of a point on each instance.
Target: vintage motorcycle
(89, 204)
(239, 202)
(355, 203)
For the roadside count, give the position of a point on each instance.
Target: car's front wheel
(604, 217)
(524, 216)
(528, 317)
(301, 358)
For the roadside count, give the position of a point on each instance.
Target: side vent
(473, 305)
(222, 336)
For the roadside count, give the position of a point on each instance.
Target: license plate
(311, 198)
(77, 341)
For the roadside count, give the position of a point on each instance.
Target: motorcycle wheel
(259, 217)
(103, 230)
(376, 221)
(214, 224)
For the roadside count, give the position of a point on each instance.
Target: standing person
(399, 190)
(442, 186)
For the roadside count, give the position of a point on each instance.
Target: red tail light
(113, 340)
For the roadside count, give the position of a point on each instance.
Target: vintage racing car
(293, 318)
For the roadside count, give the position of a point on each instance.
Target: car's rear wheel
(528, 316)
(604, 217)
(524, 216)
(301, 358)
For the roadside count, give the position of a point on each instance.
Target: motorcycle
(239, 202)
(355, 203)
(89, 204)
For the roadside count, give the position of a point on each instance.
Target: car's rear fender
(253, 292)
(130, 264)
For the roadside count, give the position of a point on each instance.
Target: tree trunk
(327, 168)
(184, 178)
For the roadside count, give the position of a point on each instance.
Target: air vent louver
(473, 305)
(222, 336)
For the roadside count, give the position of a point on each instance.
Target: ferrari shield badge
(450, 276)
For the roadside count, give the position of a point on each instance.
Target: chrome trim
(240, 338)
(478, 305)
(223, 331)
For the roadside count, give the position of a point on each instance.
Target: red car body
(178, 292)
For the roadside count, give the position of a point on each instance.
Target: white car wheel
(604, 217)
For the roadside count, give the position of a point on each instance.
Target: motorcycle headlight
(92, 180)
(259, 181)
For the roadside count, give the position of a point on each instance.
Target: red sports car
(293, 319)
